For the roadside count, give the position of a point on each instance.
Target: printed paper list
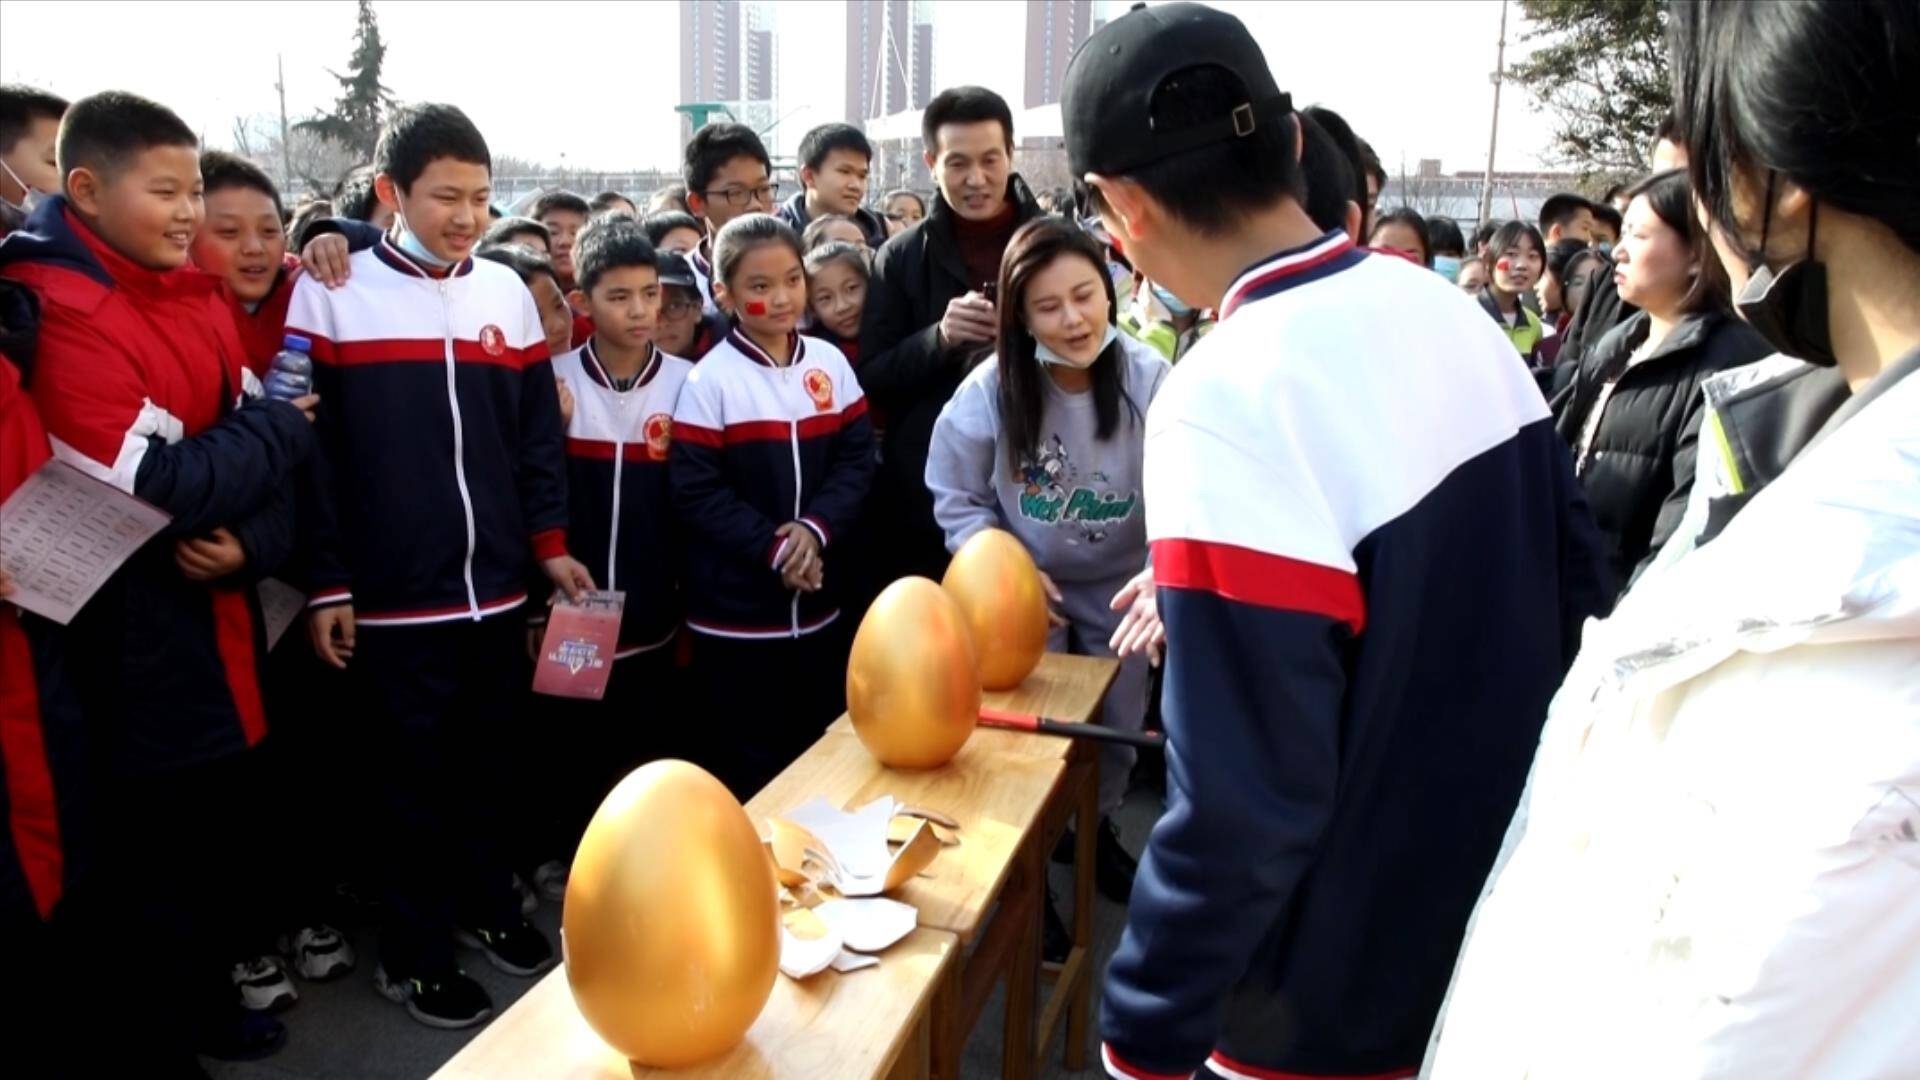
(63, 534)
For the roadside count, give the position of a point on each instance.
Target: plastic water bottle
(291, 375)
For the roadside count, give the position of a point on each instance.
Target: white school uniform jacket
(756, 446)
(619, 503)
(1372, 558)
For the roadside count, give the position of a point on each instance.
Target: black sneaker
(517, 949)
(450, 1002)
(1063, 851)
(1055, 941)
(243, 1035)
(1113, 868)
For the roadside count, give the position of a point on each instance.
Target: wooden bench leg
(946, 1024)
(1080, 1003)
(1023, 965)
(913, 1062)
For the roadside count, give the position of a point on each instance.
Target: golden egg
(671, 929)
(998, 589)
(912, 690)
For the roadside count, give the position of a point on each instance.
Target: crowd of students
(748, 414)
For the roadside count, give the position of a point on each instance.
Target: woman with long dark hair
(1633, 415)
(1045, 440)
(1713, 871)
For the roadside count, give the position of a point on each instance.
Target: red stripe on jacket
(1257, 577)
(422, 351)
(603, 450)
(813, 427)
(233, 636)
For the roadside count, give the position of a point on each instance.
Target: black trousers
(581, 749)
(315, 752)
(444, 704)
(760, 702)
(183, 887)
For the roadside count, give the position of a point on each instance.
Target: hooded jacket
(139, 379)
(1639, 468)
(1712, 872)
(904, 366)
(794, 213)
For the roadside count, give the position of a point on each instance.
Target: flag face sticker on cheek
(755, 307)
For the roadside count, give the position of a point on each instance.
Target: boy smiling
(441, 477)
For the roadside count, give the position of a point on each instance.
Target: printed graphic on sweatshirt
(1054, 492)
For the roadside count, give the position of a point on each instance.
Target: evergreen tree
(356, 117)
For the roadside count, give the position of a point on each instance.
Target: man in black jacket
(930, 312)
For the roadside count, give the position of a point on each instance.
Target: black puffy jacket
(909, 374)
(1639, 469)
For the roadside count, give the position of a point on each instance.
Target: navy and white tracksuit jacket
(756, 446)
(619, 502)
(442, 470)
(1372, 560)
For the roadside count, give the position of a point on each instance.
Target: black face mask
(1789, 308)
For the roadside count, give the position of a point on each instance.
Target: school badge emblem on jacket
(658, 431)
(493, 340)
(820, 388)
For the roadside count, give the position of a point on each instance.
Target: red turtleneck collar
(981, 243)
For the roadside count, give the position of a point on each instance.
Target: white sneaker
(263, 985)
(529, 900)
(550, 880)
(318, 953)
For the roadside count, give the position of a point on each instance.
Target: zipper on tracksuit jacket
(793, 443)
(619, 460)
(459, 449)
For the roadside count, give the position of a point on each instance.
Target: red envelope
(576, 656)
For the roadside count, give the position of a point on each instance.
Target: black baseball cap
(1106, 103)
(675, 271)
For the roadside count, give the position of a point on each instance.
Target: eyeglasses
(679, 307)
(740, 196)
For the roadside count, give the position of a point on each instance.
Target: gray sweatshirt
(1078, 507)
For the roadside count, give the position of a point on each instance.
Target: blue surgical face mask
(1604, 247)
(1175, 306)
(1447, 266)
(405, 239)
(32, 197)
(1048, 356)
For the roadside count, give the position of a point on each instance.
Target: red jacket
(138, 379)
(39, 718)
(263, 331)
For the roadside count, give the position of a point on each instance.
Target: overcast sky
(598, 81)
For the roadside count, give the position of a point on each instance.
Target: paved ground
(345, 1030)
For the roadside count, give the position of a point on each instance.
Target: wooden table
(863, 1025)
(979, 919)
(1062, 687)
